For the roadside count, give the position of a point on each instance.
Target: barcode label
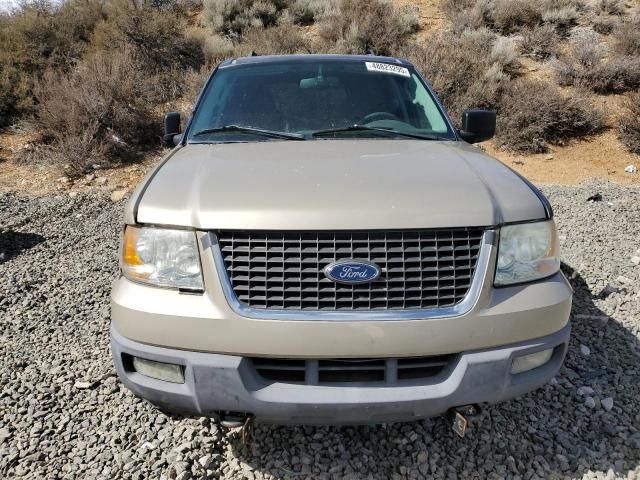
(387, 68)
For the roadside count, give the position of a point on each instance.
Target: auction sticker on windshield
(387, 68)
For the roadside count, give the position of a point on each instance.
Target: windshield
(317, 99)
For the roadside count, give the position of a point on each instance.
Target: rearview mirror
(478, 125)
(171, 129)
(319, 82)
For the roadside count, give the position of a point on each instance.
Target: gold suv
(322, 246)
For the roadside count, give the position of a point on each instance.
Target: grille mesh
(284, 270)
(363, 370)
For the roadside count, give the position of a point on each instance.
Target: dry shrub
(462, 69)
(585, 53)
(73, 153)
(279, 40)
(367, 26)
(36, 37)
(504, 53)
(626, 38)
(159, 40)
(604, 24)
(609, 7)
(41, 36)
(629, 125)
(473, 16)
(232, 17)
(193, 82)
(533, 115)
(540, 41)
(509, 16)
(99, 112)
(453, 7)
(513, 16)
(16, 85)
(590, 64)
(217, 48)
(561, 18)
(306, 12)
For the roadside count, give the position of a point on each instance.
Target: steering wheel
(372, 117)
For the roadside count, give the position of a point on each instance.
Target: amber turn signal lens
(130, 255)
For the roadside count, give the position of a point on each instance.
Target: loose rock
(585, 391)
(54, 339)
(82, 385)
(118, 195)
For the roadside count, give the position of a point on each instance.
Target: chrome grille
(357, 370)
(284, 270)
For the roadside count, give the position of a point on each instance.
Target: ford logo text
(352, 271)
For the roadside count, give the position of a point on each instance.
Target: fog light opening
(528, 362)
(167, 372)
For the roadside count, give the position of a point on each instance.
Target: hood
(335, 185)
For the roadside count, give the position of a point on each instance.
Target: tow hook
(247, 430)
(232, 419)
(242, 421)
(460, 417)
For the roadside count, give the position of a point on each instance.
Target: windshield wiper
(365, 128)
(257, 131)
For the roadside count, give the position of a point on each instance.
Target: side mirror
(478, 125)
(171, 129)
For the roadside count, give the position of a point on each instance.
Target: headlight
(527, 252)
(161, 257)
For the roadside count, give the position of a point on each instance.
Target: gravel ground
(63, 414)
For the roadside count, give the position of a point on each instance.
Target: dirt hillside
(600, 157)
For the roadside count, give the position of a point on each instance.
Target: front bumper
(217, 383)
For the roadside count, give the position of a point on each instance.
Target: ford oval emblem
(352, 271)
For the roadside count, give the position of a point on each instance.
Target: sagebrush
(367, 26)
(103, 106)
(534, 115)
(95, 75)
(467, 70)
(629, 124)
(590, 63)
